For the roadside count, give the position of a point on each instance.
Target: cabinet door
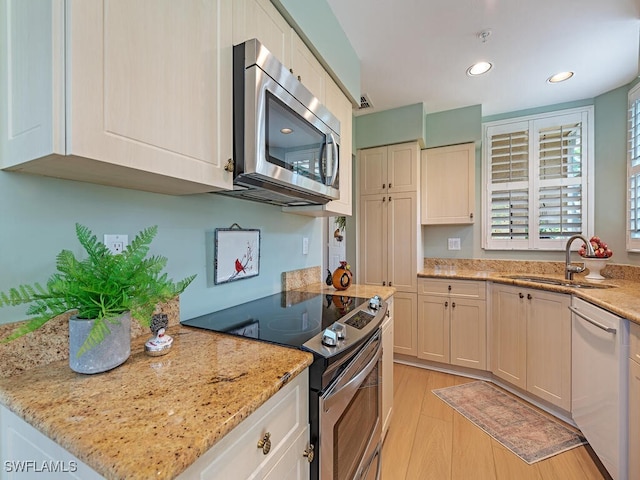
(405, 323)
(387, 371)
(402, 234)
(448, 185)
(150, 87)
(403, 167)
(260, 19)
(293, 465)
(433, 328)
(32, 80)
(372, 168)
(549, 347)
(338, 104)
(509, 334)
(468, 333)
(307, 68)
(634, 419)
(373, 240)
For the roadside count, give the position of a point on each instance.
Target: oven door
(350, 427)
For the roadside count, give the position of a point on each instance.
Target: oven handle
(345, 393)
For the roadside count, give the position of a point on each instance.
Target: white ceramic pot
(595, 265)
(111, 352)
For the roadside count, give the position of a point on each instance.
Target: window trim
(632, 244)
(534, 243)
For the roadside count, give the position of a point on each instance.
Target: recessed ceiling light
(286, 131)
(478, 68)
(559, 77)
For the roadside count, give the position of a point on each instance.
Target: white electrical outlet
(454, 244)
(305, 245)
(116, 242)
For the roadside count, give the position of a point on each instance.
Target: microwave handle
(336, 162)
(332, 175)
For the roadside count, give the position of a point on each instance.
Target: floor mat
(526, 432)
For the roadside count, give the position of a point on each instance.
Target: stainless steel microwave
(286, 144)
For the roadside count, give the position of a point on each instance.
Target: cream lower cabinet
(129, 94)
(531, 341)
(405, 323)
(387, 368)
(285, 416)
(452, 322)
(634, 402)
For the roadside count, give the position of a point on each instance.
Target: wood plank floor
(427, 439)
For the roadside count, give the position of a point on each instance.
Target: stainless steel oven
(350, 418)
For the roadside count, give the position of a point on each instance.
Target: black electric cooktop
(287, 318)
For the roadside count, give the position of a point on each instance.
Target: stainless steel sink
(559, 282)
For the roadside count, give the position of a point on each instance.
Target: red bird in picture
(239, 267)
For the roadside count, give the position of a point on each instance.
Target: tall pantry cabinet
(390, 247)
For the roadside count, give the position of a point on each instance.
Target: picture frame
(236, 254)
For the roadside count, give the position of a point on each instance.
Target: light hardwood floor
(427, 439)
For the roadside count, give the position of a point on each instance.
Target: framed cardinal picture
(237, 254)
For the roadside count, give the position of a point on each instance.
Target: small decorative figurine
(160, 343)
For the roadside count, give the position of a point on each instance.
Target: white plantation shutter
(535, 170)
(633, 172)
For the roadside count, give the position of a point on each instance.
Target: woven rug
(529, 434)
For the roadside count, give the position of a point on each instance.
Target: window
(633, 172)
(536, 176)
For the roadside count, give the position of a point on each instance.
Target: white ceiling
(414, 51)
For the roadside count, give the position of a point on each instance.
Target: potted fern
(106, 290)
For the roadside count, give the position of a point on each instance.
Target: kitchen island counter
(152, 417)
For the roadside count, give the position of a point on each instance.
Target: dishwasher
(599, 402)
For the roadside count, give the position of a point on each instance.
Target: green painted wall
(451, 127)
(403, 124)
(38, 215)
(315, 22)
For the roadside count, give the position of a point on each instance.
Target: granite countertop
(621, 298)
(152, 417)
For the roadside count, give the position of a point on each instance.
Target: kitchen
(36, 208)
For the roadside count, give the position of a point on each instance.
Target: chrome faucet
(569, 269)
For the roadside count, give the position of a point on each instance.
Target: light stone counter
(623, 298)
(152, 417)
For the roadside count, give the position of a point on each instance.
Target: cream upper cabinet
(448, 185)
(531, 332)
(389, 169)
(307, 69)
(452, 322)
(133, 94)
(260, 19)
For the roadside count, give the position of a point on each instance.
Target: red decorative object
(600, 248)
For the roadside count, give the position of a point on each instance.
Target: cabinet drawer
(634, 340)
(284, 416)
(453, 288)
